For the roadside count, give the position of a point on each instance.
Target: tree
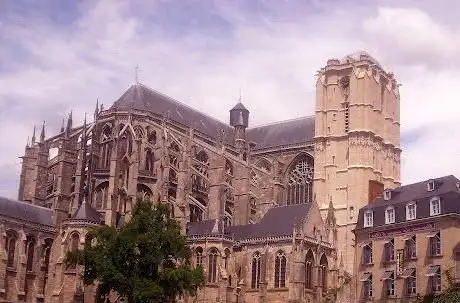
(147, 260)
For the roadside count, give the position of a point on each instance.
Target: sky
(57, 56)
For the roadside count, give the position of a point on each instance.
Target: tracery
(300, 182)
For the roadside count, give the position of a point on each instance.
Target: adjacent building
(407, 242)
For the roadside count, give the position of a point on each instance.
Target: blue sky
(57, 56)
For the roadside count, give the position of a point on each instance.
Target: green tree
(147, 260)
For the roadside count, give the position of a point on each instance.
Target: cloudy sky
(61, 55)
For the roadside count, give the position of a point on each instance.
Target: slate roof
(277, 222)
(239, 106)
(141, 97)
(445, 188)
(26, 212)
(283, 133)
(86, 213)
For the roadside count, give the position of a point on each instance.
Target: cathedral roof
(283, 133)
(141, 97)
(87, 213)
(26, 212)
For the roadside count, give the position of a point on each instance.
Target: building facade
(149, 145)
(407, 243)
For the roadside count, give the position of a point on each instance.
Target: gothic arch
(139, 132)
(264, 164)
(144, 192)
(309, 265)
(106, 133)
(299, 180)
(149, 160)
(100, 195)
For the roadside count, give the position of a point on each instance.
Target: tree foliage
(147, 260)
(450, 295)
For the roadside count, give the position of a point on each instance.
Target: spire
(84, 131)
(42, 134)
(27, 144)
(62, 125)
(33, 136)
(136, 74)
(96, 110)
(69, 123)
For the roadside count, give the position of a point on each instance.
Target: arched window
(196, 214)
(174, 153)
(199, 256)
(280, 270)
(300, 181)
(30, 249)
(152, 137)
(212, 266)
(10, 248)
(149, 160)
(309, 261)
(101, 196)
(322, 273)
(144, 192)
(255, 273)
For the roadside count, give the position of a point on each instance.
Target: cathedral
(269, 211)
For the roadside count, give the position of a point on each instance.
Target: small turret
(239, 115)
(239, 119)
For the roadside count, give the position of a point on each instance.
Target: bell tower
(357, 140)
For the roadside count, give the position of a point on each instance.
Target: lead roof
(26, 212)
(141, 97)
(445, 188)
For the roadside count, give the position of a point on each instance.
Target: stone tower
(357, 134)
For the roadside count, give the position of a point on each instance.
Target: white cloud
(411, 36)
(272, 62)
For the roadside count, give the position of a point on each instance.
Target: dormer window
(411, 211)
(435, 206)
(387, 194)
(389, 215)
(430, 185)
(368, 218)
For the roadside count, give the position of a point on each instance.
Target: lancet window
(11, 239)
(255, 271)
(280, 270)
(149, 160)
(126, 144)
(212, 266)
(309, 261)
(322, 273)
(300, 181)
(30, 250)
(106, 147)
(144, 192)
(101, 195)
